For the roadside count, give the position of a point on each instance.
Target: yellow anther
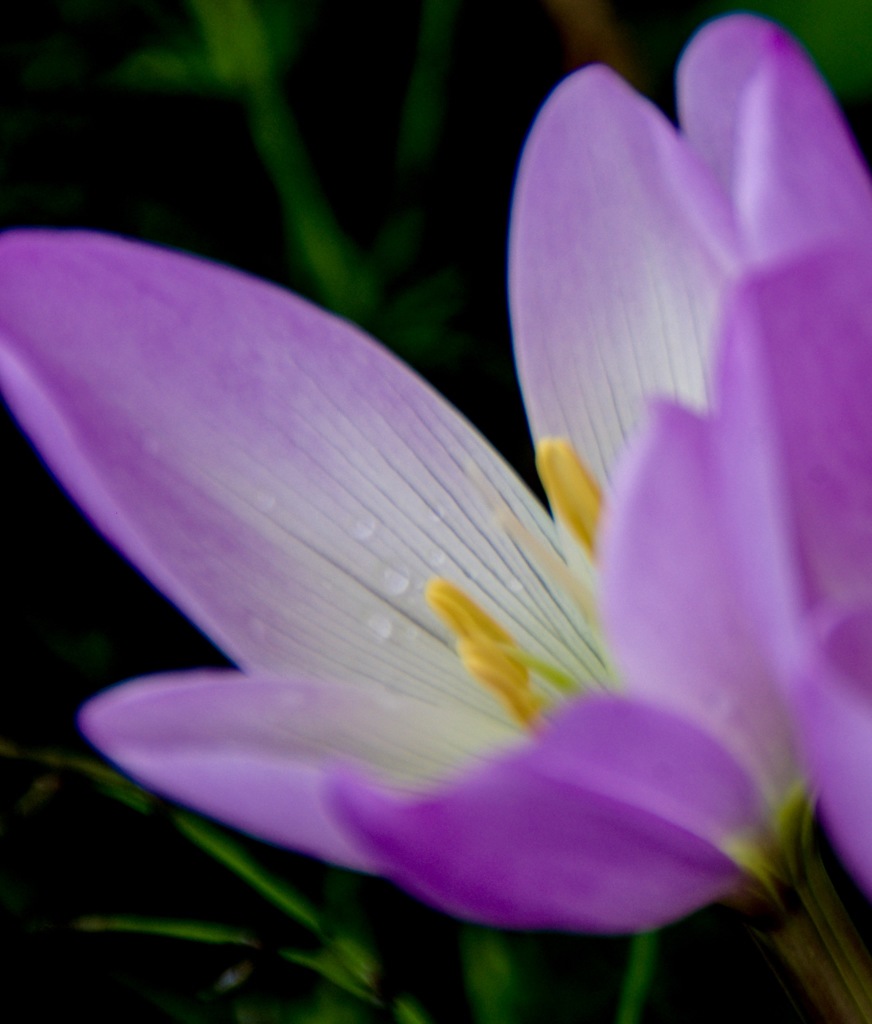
(574, 495)
(462, 615)
(508, 680)
(486, 650)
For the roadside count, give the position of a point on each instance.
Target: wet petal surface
(282, 478)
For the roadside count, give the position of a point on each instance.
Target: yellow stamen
(574, 495)
(462, 615)
(487, 651)
(504, 677)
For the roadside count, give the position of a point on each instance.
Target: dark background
(204, 125)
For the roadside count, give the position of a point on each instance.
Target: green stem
(58, 760)
(425, 101)
(641, 963)
(234, 856)
(320, 255)
(318, 250)
(209, 932)
(812, 944)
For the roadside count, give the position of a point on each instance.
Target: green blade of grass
(639, 973)
(233, 855)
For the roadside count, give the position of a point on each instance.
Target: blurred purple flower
(425, 688)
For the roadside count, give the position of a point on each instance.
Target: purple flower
(526, 721)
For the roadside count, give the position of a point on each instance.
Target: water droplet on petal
(396, 581)
(381, 625)
(412, 634)
(515, 585)
(364, 528)
(436, 558)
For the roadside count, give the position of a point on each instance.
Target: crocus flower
(525, 720)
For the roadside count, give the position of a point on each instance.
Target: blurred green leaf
(181, 1008)
(127, 793)
(106, 778)
(343, 963)
(233, 855)
(183, 68)
(328, 1005)
(490, 975)
(408, 1011)
(415, 322)
(235, 41)
(641, 965)
(89, 651)
(425, 101)
(228, 46)
(210, 932)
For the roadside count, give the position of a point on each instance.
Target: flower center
(489, 652)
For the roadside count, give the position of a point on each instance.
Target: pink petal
(283, 479)
(711, 80)
(673, 609)
(754, 500)
(613, 819)
(835, 704)
(255, 752)
(753, 104)
(797, 363)
(621, 243)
